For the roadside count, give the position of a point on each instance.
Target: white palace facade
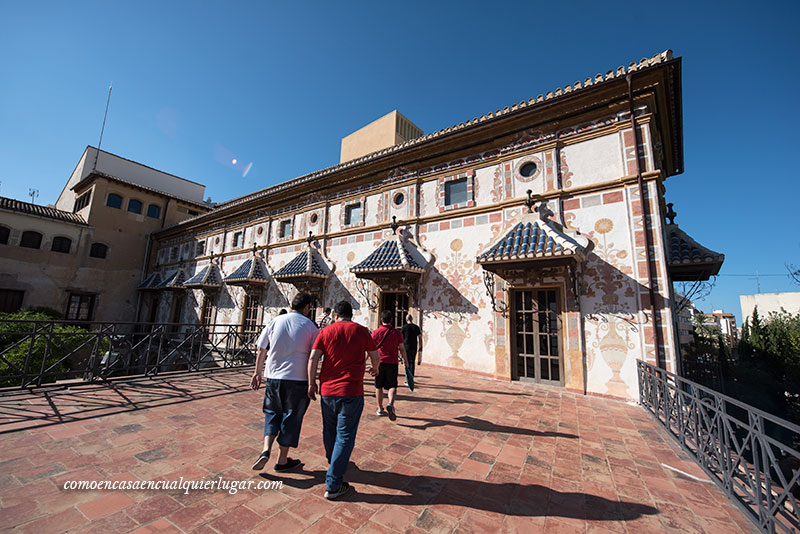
(532, 243)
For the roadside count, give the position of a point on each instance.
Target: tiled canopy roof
(307, 263)
(150, 283)
(532, 239)
(393, 255)
(173, 281)
(41, 211)
(252, 271)
(688, 259)
(208, 277)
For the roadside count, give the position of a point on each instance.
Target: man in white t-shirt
(285, 344)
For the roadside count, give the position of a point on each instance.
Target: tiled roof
(41, 211)
(534, 239)
(391, 255)
(683, 250)
(208, 277)
(306, 263)
(252, 271)
(174, 280)
(151, 282)
(559, 92)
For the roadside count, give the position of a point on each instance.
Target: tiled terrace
(466, 455)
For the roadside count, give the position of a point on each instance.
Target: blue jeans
(340, 417)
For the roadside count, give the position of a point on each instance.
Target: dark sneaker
(290, 464)
(343, 489)
(390, 412)
(262, 461)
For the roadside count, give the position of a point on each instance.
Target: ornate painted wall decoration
(565, 176)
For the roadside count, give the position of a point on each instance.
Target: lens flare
(227, 158)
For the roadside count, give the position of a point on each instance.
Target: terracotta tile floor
(466, 455)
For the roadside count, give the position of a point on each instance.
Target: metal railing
(750, 454)
(34, 353)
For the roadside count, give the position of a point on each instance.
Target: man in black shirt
(412, 341)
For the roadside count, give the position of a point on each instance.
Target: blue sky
(279, 84)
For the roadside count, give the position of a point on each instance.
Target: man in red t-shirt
(389, 341)
(344, 344)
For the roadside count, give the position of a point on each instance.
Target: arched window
(114, 201)
(61, 244)
(98, 250)
(4, 233)
(153, 211)
(135, 206)
(31, 240)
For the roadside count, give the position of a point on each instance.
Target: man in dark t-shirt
(389, 341)
(412, 340)
(344, 345)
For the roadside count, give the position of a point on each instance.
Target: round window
(260, 230)
(398, 199)
(528, 169)
(216, 241)
(314, 218)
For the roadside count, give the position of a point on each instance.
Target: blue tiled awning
(688, 260)
(173, 281)
(305, 264)
(251, 272)
(393, 255)
(150, 283)
(208, 277)
(535, 239)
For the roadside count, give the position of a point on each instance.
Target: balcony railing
(752, 455)
(34, 353)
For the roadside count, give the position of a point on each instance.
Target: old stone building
(84, 256)
(519, 239)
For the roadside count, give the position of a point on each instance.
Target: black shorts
(387, 376)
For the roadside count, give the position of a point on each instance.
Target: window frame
(82, 201)
(238, 239)
(442, 196)
(61, 239)
(5, 234)
(94, 246)
(108, 201)
(29, 233)
(285, 227)
(92, 304)
(130, 204)
(157, 209)
(343, 212)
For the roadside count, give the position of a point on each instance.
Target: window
(4, 233)
(455, 192)
(193, 212)
(80, 307)
(135, 206)
(10, 300)
(153, 211)
(238, 239)
(98, 250)
(398, 199)
(31, 240)
(61, 244)
(200, 248)
(81, 202)
(114, 201)
(352, 214)
(173, 254)
(528, 169)
(285, 229)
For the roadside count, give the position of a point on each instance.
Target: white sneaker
(381, 413)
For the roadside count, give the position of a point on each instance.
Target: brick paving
(466, 454)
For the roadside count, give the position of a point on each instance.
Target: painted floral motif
(565, 176)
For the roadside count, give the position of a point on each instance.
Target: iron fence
(33, 353)
(751, 455)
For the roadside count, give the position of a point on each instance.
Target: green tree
(18, 341)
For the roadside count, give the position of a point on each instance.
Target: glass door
(537, 345)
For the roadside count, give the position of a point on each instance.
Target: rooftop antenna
(103, 129)
(33, 193)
